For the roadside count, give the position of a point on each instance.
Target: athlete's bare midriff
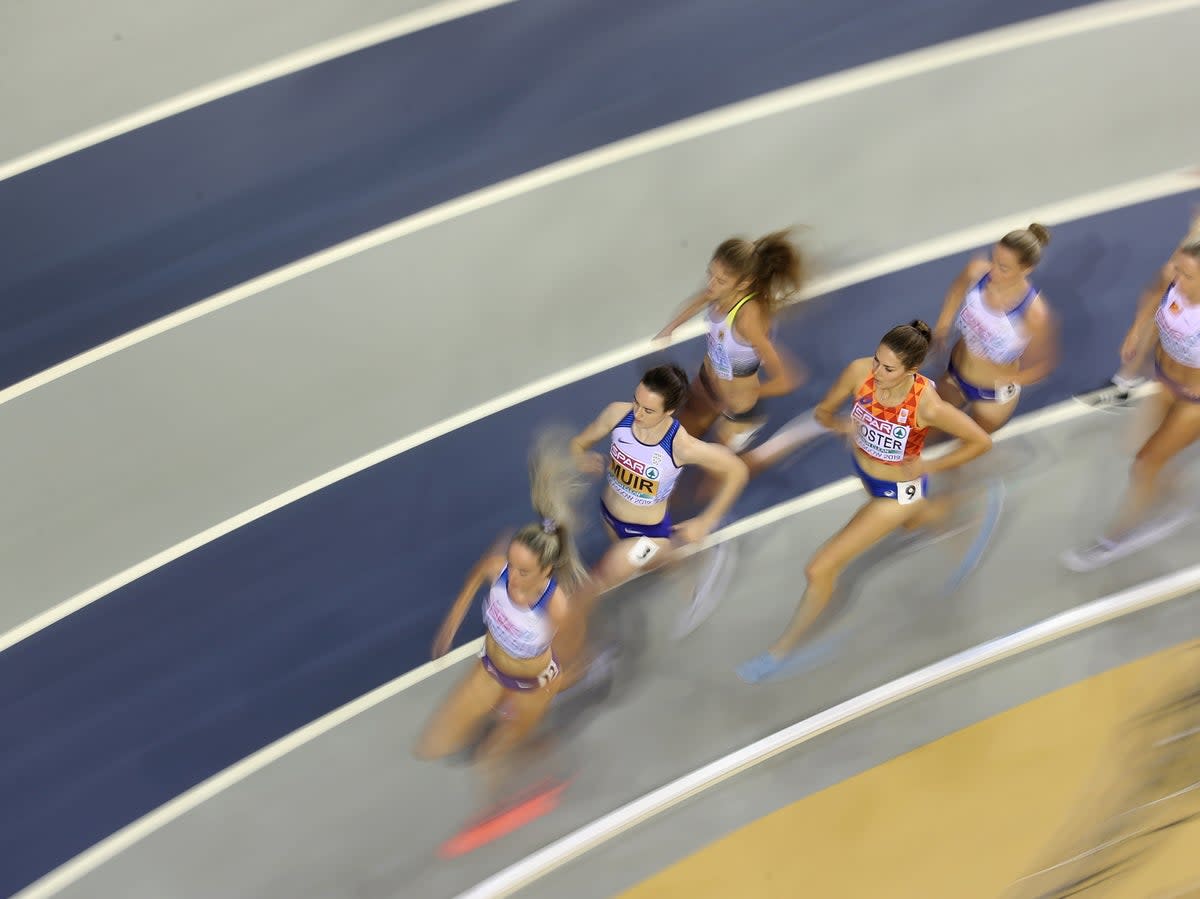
(522, 668)
(628, 512)
(738, 394)
(1183, 375)
(981, 371)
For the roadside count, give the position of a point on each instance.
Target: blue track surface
(125, 704)
(115, 236)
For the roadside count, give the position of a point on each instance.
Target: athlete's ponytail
(773, 265)
(555, 485)
(909, 342)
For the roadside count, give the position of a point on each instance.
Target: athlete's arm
(826, 411)
(692, 306)
(1041, 355)
(719, 461)
(1142, 334)
(783, 376)
(486, 569)
(558, 608)
(934, 412)
(582, 442)
(972, 272)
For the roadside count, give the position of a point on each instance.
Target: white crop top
(999, 337)
(1179, 327)
(642, 474)
(729, 357)
(524, 632)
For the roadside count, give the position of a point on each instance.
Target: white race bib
(909, 491)
(643, 550)
(1006, 393)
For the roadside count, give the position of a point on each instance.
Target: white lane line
(106, 849)
(1056, 27)
(417, 20)
(588, 837)
(1079, 207)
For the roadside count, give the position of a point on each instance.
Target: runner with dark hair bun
(894, 407)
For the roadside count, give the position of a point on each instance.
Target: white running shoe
(1104, 551)
(1113, 396)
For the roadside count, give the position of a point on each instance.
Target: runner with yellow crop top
(748, 281)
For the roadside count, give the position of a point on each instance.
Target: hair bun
(921, 328)
(1040, 233)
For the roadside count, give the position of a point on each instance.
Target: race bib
(643, 550)
(909, 491)
(1007, 392)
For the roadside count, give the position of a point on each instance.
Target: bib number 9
(909, 491)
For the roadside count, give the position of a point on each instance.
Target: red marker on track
(542, 800)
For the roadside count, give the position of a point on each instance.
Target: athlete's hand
(589, 463)
(693, 530)
(910, 470)
(843, 425)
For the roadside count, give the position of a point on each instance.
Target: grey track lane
(71, 65)
(245, 403)
(864, 744)
(351, 814)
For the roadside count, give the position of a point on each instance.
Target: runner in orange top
(894, 408)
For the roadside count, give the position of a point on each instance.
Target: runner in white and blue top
(525, 610)
(1167, 325)
(647, 448)
(1007, 335)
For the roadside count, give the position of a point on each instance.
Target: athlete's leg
(623, 559)
(992, 416)
(524, 711)
(874, 521)
(460, 718)
(700, 410)
(948, 389)
(1179, 428)
(802, 429)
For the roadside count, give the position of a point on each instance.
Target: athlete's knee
(822, 567)
(429, 749)
(1147, 465)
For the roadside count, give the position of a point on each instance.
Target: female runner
(894, 406)
(527, 602)
(1171, 328)
(1117, 393)
(747, 283)
(1008, 332)
(648, 448)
